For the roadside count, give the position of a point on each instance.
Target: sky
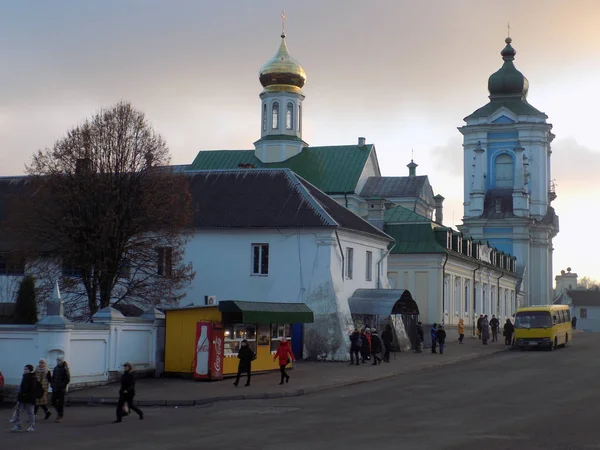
(401, 73)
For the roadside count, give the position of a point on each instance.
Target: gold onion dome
(508, 81)
(282, 72)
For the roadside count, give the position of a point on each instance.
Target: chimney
(412, 168)
(361, 141)
(439, 209)
(376, 212)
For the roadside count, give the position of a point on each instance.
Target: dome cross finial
(508, 29)
(283, 20)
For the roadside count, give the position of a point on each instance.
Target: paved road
(513, 400)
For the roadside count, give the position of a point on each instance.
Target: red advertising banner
(216, 353)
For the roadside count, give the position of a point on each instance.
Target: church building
(508, 188)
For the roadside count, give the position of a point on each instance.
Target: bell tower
(282, 78)
(508, 187)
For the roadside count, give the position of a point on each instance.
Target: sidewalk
(306, 378)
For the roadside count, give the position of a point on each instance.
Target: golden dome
(282, 72)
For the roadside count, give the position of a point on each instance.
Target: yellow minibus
(543, 326)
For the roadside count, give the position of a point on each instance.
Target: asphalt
(508, 400)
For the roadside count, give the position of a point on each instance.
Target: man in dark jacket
(440, 335)
(355, 345)
(387, 337)
(27, 397)
(420, 337)
(126, 393)
(61, 377)
(479, 321)
(376, 347)
(495, 324)
(246, 356)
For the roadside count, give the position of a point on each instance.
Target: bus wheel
(551, 346)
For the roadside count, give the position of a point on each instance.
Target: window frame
(289, 116)
(349, 263)
(257, 266)
(264, 117)
(275, 116)
(583, 313)
(369, 266)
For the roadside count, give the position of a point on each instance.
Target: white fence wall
(95, 352)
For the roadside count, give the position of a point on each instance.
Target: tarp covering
(382, 302)
(265, 312)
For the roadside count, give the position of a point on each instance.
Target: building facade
(508, 188)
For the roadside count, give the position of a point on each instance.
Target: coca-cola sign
(202, 350)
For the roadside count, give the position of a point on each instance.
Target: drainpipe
(498, 294)
(346, 199)
(379, 263)
(342, 253)
(474, 299)
(444, 290)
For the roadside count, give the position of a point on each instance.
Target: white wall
(94, 352)
(592, 322)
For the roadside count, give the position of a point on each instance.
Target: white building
(269, 236)
(508, 186)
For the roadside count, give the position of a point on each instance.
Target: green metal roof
(400, 214)
(515, 104)
(414, 238)
(265, 312)
(333, 169)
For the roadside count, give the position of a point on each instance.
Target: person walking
(365, 348)
(441, 338)
(495, 325)
(485, 330)
(355, 344)
(574, 322)
(27, 396)
(420, 337)
(126, 394)
(61, 377)
(433, 338)
(246, 356)
(376, 347)
(387, 337)
(44, 377)
(461, 331)
(509, 330)
(285, 355)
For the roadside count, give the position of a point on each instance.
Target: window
(349, 262)
(165, 261)
(278, 332)
(11, 265)
(235, 334)
(299, 118)
(504, 171)
(289, 116)
(70, 269)
(583, 313)
(449, 241)
(260, 259)
(467, 295)
(533, 319)
(369, 274)
(264, 117)
(275, 116)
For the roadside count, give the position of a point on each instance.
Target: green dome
(508, 81)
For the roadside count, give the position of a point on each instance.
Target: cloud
(575, 167)
(448, 158)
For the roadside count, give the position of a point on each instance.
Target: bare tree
(103, 205)
(588, 283)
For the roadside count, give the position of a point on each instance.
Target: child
(441, 338)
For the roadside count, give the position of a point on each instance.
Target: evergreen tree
(26, 307)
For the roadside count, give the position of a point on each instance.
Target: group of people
(37, 381)
(367, 344)
(484, 325)
(438, 338)
(246, 355)
(33, 392)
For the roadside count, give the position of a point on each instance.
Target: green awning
(265, 312)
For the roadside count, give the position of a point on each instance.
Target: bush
(26, 307)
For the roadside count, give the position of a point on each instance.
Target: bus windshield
(533, 319)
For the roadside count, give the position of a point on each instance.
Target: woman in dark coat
(509, 329)
(365, 348)
(387, 337)
(376, 347)
(126, 393)
(246, 356)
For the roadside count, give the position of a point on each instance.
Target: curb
(99, 401)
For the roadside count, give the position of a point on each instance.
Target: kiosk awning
(234, 311)
(382, 302)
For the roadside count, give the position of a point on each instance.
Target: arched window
(264, 117)
(504, 171)
(289, 116)
(275, 120)
(299, 118)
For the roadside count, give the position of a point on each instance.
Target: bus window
(533, 319)
(562, 316)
